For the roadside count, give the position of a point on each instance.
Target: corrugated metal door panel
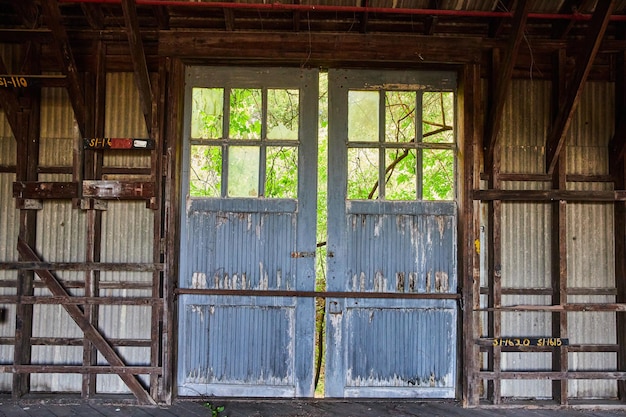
(387, 347)
(246, 345)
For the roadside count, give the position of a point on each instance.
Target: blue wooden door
(248, 224)
(391, 231)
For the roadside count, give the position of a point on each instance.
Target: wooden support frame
(503, 81)
(91, 332)
(562, 121)
(558, 251)
(66, 58)
(138, 57)
(26, 170)
(618, 169)
(470, 99)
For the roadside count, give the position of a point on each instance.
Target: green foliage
(215, 409)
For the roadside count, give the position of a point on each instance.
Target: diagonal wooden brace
(91, 333)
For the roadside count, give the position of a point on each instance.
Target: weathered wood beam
(229, 19)
(93, 14)
(162, 17)
(138, 57)
(66, 59)
(364, 17)
(549, 195)
(589, 49)
(10, 105)
(469, 226)
(503, 81)
(496, 27)
(319, 49)
(27, 11)
(93, 334)
(617, 145)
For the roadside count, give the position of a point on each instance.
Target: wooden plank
(45, 190)
(10, 105)
(77, 369)
(75, 341)
(321, 48)
(83, 266)
(93, 334)
(66, 59)
(503, 79)
(558, 248)
(617, 145)
(610, 307)
(138, 58)
(589, 49)
(549, 195)
(469, 229)
(555, 375)
(118, 190)
(75, 300)
(171, 166)
(26, 170)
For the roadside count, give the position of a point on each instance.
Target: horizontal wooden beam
(76, 341)
(102, 190)
(76, 369)
(134, 301)
(610, 307)
(549, 195)
(82, 266)
(118, 190)
(45, 190)
(552, 375)
(318, 48)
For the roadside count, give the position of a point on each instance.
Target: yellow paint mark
(477, 246)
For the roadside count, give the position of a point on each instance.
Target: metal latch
(303, 254)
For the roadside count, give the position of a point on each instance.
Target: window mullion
(419, 152)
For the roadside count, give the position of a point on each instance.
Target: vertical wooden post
(95, 93)
(172, 167)
(469, 226)
(559, 244)
(27, 164)
(620, 225)
(494, 251)
(158, 117)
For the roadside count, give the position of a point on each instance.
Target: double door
(250, 161)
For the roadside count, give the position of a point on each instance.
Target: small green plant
(215, 409)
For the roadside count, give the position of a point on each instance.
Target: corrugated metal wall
(526, 235)
(127, 236)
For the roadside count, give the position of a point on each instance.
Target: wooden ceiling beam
(65, 57)
(562, 28)
(505, 71)
(10, 104)
(138, 57)
(617, 145)
(93, 14)
(584, 62)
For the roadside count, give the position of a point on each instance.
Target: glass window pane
(282, 114)
(243, 171)
(245, 113)
(363, 173)
(281, 172)
(401, 174)
(205, 171)
(363, 116)
(207, 113)
(400, 116)
(438, 117)
(438, 174)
